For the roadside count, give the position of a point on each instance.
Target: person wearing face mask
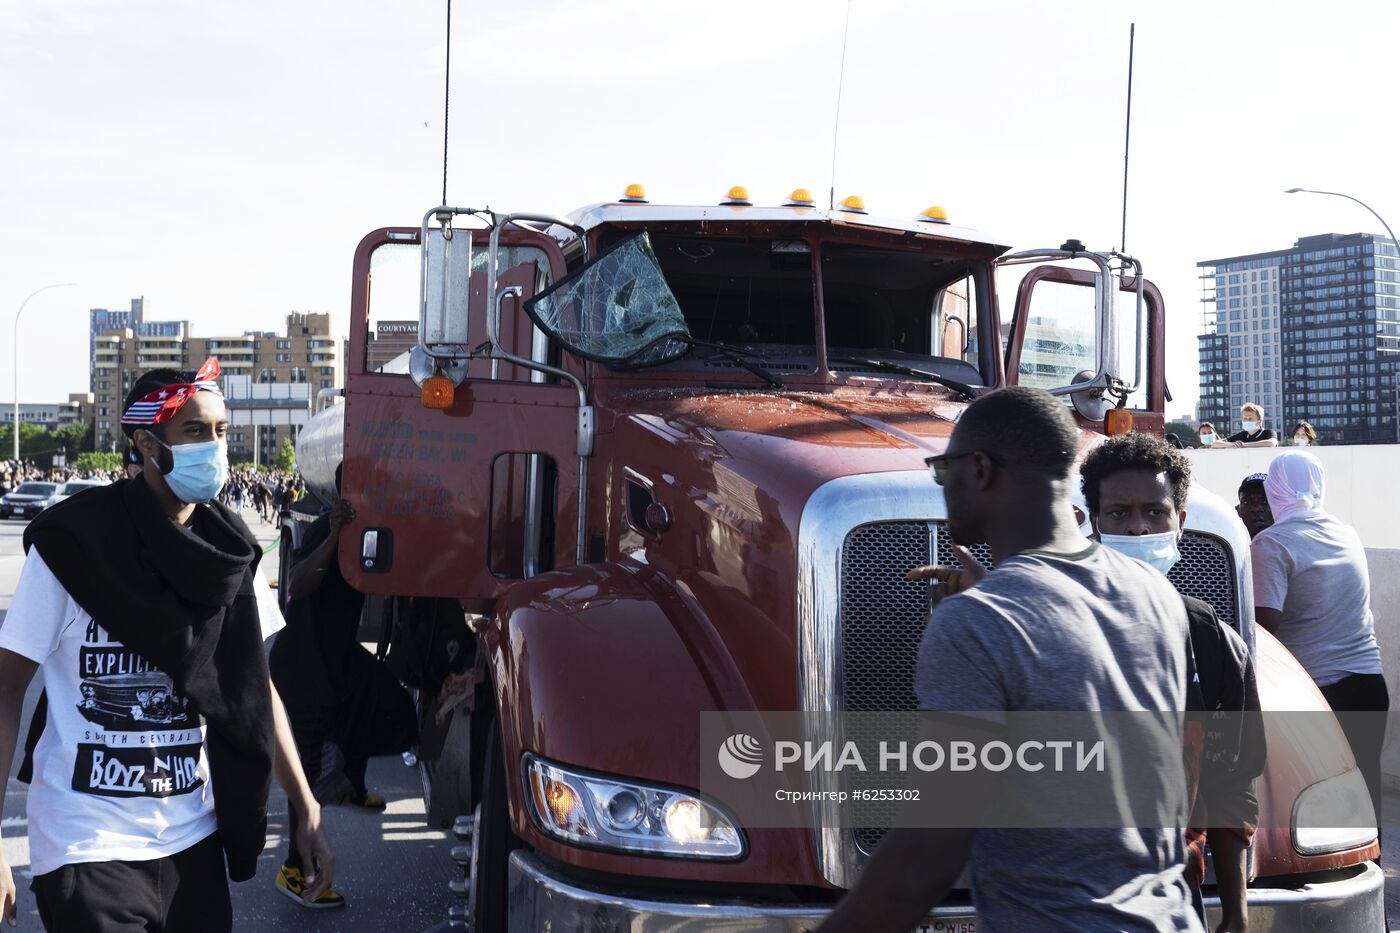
(1304, 435)
(1312, 590)
(152, 749)
(1136, 486)
(1206, 432)
(1253, 433)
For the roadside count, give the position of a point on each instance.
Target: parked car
(75, 486)
(28, 500)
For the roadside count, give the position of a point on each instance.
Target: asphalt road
(393, 869)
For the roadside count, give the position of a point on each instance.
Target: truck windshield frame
(791, 294)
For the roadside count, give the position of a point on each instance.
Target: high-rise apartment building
(308, 354)
(1310, 333)
(101, 320)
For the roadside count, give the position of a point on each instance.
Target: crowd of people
(1058, 625)
(14, 472)
(267, 493)
(1252, 432)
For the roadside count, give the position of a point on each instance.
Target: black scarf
(184, 602)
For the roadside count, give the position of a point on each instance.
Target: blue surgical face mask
(1158, 551)
(199, 470)
(1207, 439)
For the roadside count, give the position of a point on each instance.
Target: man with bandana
(134, 824)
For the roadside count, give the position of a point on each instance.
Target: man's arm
(317, 856)
(1268, 442)
(911, 871)
(16, 671)
(307, 574)
(1270, 619)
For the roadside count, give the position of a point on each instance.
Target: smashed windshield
(618, 309)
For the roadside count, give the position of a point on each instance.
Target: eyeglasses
(938, 466)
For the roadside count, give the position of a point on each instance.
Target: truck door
(1084, 334)
(460, 501)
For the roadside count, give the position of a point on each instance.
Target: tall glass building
(1310, 333)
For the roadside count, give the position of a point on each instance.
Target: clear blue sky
(222, 159)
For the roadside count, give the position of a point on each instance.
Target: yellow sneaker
(291, 883)
(369, 800)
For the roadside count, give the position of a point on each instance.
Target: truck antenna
(836, 125)
(446, 100)
(1127, 137)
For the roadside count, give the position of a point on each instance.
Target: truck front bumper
(543, 898)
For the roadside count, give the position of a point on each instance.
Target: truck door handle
(377, 550)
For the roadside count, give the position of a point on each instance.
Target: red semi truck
(651, 460)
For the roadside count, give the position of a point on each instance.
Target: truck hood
(805, 438)
(733, 473)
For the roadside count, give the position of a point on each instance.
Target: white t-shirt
(1314, 571)
(120, 773)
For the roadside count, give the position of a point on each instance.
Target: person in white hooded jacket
(1313, 592)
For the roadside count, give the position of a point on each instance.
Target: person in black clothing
(336, 691)
(1135, 486)
(1253, 433)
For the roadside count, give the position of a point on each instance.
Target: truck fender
(607, 668)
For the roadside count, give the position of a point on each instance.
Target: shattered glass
(618, 309)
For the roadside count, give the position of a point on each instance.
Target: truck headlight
(607, 813)
(1334, 815)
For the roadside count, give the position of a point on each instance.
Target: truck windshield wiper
(742, 358)
(893, 367)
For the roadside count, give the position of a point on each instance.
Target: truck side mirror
(444, 291)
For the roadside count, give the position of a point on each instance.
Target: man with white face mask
(1252, 433)
(1135, 486)
(143, 604)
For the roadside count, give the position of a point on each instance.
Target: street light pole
(1394, 242)
(17, 314)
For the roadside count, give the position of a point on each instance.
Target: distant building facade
(51, 415)
(1311, 333)
(101, 320)
(389, 340)
(307, 353)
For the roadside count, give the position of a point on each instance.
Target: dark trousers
(187, 891)
(1363, 693)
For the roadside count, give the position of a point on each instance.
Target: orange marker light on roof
(933, 215)
(854, 204)
(738, 196)
(438, 392)
(800, 198)
(1118, 422)
(635, 194)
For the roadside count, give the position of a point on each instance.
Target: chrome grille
(882, 617)
(1206, 571)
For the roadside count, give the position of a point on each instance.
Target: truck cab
(669, 459)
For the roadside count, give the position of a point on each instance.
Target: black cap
(1251, 480)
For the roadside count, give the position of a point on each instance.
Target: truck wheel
(495, 841)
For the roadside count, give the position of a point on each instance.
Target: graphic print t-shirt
(120, 772)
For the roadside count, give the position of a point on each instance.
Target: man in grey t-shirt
(1061, 624)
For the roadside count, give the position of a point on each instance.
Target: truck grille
(882, 616)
